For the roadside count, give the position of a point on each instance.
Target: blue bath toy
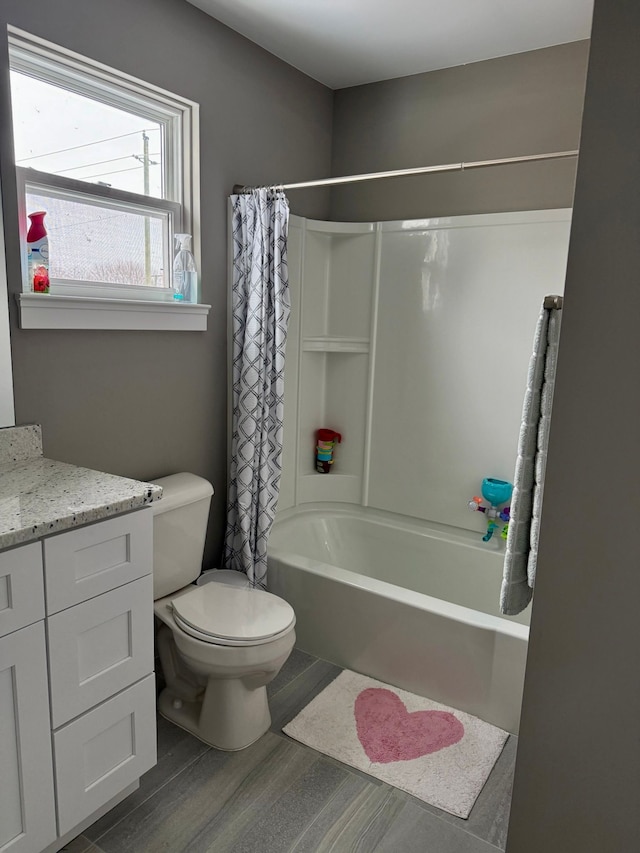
(495, 492)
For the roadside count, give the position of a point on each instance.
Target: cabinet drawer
(21, 587)
(83, 563)
(99, 647)
(104, 751)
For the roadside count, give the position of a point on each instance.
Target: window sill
(44, 311)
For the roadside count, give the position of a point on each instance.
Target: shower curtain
(260, 312)
(521, 555)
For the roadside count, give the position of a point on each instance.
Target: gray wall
(577, 782)
(530, 103)
(144, 404)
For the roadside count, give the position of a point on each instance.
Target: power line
(105, 174)
(55, 229)
(102, 162)
(88, 165)
(87, 144)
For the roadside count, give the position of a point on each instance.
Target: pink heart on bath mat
(388, 732)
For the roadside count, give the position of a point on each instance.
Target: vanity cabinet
(77, 692)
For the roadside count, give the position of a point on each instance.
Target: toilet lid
(232, 614)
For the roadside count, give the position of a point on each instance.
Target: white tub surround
(411, 604)
(39, 497)
(412, 339)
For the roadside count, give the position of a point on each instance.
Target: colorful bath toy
(495, 492)
(326, 440)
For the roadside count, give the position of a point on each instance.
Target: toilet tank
(179, 529)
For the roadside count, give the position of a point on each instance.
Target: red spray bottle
(38, 253)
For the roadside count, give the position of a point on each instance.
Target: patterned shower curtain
(261, 308)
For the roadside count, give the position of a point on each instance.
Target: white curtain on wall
(260, 309)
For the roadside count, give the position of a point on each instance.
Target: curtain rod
(419, 170)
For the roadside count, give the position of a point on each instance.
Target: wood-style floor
(279, 796)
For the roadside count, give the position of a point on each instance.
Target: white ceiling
(348, 42)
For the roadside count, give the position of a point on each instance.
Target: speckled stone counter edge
(20, 443)
(40, 497)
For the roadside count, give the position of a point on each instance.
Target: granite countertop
(40, 496)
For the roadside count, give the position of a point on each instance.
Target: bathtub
(410, 604)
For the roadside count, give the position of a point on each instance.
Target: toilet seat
(230, 616)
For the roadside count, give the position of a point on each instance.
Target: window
(111, 160)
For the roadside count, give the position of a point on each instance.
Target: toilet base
(217, 693)
(230, 716)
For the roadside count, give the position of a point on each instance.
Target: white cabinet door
(27, 814)
(100, 647)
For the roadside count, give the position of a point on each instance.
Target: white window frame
(75, 305)
(57, 186)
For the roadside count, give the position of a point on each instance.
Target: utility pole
(146, 162)
(147, 224)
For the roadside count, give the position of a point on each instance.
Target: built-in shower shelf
(329, 487)
(329, 343)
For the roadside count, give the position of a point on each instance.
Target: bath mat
(435, 753)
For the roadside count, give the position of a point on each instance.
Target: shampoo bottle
(38, 253)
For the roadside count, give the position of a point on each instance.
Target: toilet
(220, 642)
